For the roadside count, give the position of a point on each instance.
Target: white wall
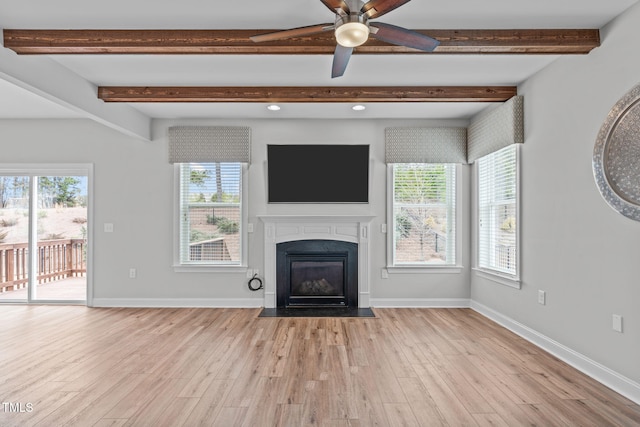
(575, 247)
(134, 191)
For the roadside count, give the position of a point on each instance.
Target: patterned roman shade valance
(426, 145)
(209, 144)
(490, 131)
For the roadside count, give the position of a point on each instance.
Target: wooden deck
(59, 263)
(68, 289)
(78, 366)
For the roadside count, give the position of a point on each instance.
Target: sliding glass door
(61, 238)
(44, 236)
(14, 237)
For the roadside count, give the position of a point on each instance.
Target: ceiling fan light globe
(352, 34)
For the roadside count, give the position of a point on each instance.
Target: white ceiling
(35, 96)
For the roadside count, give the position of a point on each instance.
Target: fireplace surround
(340, 228)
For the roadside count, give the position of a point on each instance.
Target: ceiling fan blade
(341, 58)
(401, 36)
(336, 4)
(294, 32)
(376, 8)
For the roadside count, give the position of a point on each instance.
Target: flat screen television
(318, 173)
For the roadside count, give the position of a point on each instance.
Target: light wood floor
(227, 367)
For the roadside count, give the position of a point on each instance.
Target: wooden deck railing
(57, 259)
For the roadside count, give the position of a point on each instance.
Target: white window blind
(497, 211)
(424, 214)
(211, 213)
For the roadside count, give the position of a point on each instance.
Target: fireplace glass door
(314, 281)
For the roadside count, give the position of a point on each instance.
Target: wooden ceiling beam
(280, 94)
(517, 41)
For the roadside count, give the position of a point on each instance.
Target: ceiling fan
(352, 29)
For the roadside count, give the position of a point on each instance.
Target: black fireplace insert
(317, 273)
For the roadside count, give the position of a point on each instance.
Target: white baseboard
(259, 302)
(179, 302)
(420, 302)
(615, 381)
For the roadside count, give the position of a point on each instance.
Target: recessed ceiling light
(273, 107)
(358, 107)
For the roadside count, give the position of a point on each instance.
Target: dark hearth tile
(316, 312)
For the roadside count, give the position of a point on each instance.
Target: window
(211, 214)
(423, 209)
(498, 212)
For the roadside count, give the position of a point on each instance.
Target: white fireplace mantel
(286, 228)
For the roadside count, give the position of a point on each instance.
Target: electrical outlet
(383, 228)
(617, 323)
(250, 227)
(249, 273)
(108, 227)
(132, 273)
(385, 273)
(542, 297)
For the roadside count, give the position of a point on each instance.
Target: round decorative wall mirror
(616, 156)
